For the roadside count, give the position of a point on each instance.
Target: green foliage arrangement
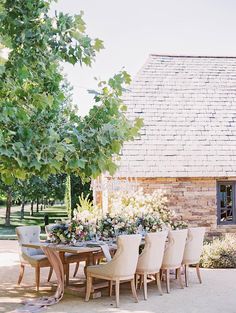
(220, 252)
(40, 130)
(85, 203)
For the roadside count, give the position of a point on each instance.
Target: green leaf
(20, 174)
(98, 45)
(36, 165)
(139, 122)
(127, 77)
(7, 178)
(112, 168)
(79, 22)
(82, 163)
(56, 164)
(116, 146)
(73, 164)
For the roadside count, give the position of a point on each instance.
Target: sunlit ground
(215, 295)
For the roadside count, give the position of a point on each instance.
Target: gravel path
(215, 295)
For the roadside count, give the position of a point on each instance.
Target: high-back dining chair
(121, 268)
(29, 256)
(193, 250)
(173, 255)
(150, 259)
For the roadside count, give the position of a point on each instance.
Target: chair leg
(37, 277)
(76, 269)
(21, 274)
(141, 282)
(198, 273)
(67, 272)
(186, 274)
(110, 287)
(50, 274)
(136, 276)
(88, 287)
(134, 290)
(176, 273)
(168, 280)
(161, 274)
(158, 281)
(145, 286)
(179, 277)
(117, 293)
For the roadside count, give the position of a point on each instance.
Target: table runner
(37, 305)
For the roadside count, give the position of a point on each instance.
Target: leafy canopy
(40, 130)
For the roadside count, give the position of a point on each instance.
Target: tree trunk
(22, 209)
(8, 208)
(37, 205)
(32, 208)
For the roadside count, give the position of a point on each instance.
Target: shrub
(219, 253)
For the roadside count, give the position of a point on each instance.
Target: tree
(9, 192)
(40, 131)
(56, 187)
(34, 190)
(75, 187)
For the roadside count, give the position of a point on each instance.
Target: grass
(54, 213)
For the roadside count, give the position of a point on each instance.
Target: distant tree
(75, 187)
(35, 190)
(9, 192)
(56, 187)
(68, 196)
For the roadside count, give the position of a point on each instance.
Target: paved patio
(215, 295)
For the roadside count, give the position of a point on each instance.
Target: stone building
(187, 146)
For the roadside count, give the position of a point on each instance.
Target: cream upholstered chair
(150, 259)
(173, 255)
(121, 268)
(193, 250)
(29, 256)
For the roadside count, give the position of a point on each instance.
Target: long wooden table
(56, 256)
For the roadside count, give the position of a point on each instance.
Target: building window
(226, 192)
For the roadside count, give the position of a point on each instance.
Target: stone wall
(195, 199)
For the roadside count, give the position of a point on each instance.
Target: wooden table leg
(65, 266)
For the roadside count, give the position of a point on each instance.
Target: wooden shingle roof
(189, 109)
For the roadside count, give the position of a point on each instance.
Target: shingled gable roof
(188, 104)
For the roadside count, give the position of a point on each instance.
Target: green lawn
(55, 212)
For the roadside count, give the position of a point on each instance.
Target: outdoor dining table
(56, 255)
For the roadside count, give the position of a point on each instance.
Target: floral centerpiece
(149, 223)
(72, 232)
(149, 212)
(130, 214)
(110, 226)
(62, 232)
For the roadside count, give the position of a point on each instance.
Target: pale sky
(132, 29)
